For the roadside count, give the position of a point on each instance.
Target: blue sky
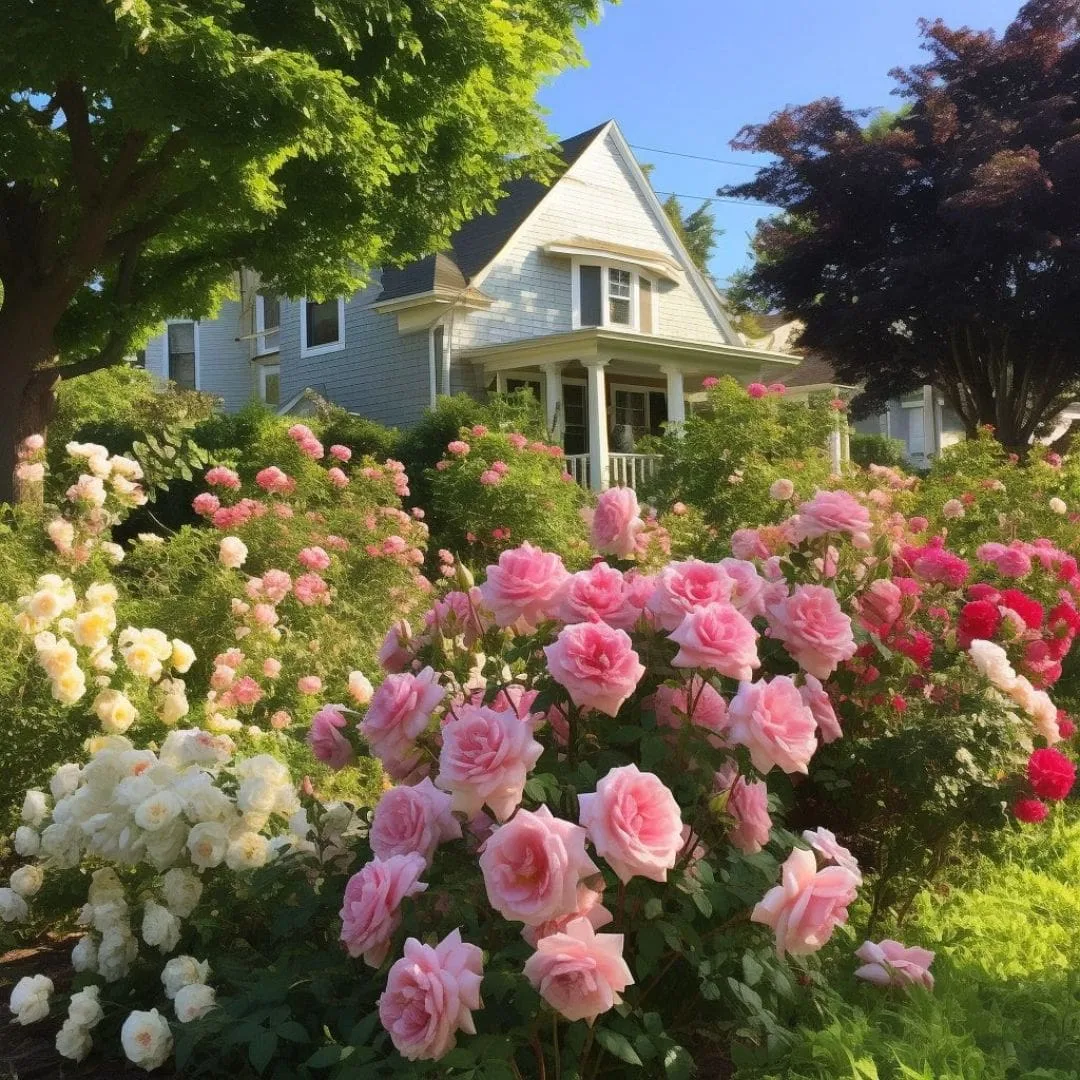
(687, 74)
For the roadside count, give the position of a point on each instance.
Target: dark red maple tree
(939, 244)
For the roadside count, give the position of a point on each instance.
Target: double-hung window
(267, 323)
(270, 384)
(182, 342)
(322, 326)
(613, 296)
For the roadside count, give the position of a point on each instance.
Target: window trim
(644, 391)
(167, 357)
(261, 347)
(636, 275)
(264, 370)
(330, 346)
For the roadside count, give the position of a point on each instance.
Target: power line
(695, 157)
(716, 198)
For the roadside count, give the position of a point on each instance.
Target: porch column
(676, 399)
(556, 423)
(598, 425)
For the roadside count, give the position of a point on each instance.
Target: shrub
(877, 450)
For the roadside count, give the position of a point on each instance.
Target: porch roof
(600, 343)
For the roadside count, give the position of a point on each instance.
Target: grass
(1006, 1004)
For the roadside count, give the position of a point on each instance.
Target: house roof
(815, 370)
(479, 240)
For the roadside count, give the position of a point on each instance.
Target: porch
(604, 391)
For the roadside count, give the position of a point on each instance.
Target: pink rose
(524, 586)
(532, 866)
(771, 720)
(748, 807)
(598, 594)
(815, 631)
(430, 994)
(205, 504)
(313, 558)
(681, 587)
(395, 653)
(615, 523)
(408, 819)
(832, 512)
(880, 607)
(824, 842)
(748, 544)
(341, 453)
(716, 636)
(634, 823)
(219, 476)
(309, 684)
(703, 706)
(399, 711)
(596, 664)
(325, 738)
(588, 906)
(808, 904)
(748, 593)
(820, 704)
(485, 758)
(371, 912)
(757, 390)
(888, 963)
(579, 972)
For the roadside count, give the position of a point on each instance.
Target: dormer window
(613, 296)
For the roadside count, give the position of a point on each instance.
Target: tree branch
(111, 354)
(85, 163)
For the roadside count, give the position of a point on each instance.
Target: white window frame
(262, 348)
(330, 346)
(645, 391)
(264, 370)
(635, 294)
(165, 350)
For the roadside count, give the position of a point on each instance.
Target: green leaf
(617, 1045)
(363, 1030)
(654, 908)
(326, 1056)
(752, 969)
(261, 1049)
(678, 1064)
(293, 1031)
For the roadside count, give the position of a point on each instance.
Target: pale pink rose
(824, 842)
(33, 443)
(309, 684)
(395, 653)
(748, 593)
(360, 688)
(1013, 563)
(313, 558)
(598, 594)
(205, 504)
(748, 544)
(771, 720)
(717, 637)
(485, 758)
(832, 512)
(782, 490)
(341, 453)
(337, 477)
(416, 818)
(232, 551)
(222, 677)
(703, 706)
(524, 586)
(532, 866)
(274, 481)
(808, 904)
(275, 585)
(371, 911)
(430, 994)
(596, 664)
(246, 691)
(748, 806)
(399, 711)
(615, 523)
(579, 972)
(817, 700)
(271, 667)
(311, 590)
(880, 607)
(326, 741)
(888, 963)
(681, 587)
(588, 906)
(265, 615)
(634, 823)
(220, 476)
(816, 632)
(280, 720)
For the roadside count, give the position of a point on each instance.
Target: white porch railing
(624, 470)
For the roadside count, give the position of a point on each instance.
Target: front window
(616, 297)
(575, 419)
(532, 385)
(620, 293)
(270, 384)
(181, 342)
(267, 322)
(322, 327)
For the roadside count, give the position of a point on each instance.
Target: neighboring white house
(580, 289)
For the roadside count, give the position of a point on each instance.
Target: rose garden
(310, 779)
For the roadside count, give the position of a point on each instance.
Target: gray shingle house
(580, 289)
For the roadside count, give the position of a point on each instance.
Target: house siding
(224, 366)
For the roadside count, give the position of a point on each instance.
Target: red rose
(979, 619)
(1029, 609)
(1066, 728)
(1030, 811)
(918, 647)
(1050, 773)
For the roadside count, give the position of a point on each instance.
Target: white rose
(65, 780)
(116, 952)
(73, 1041)
(85, 1009)
(30, 999)
(183, 655)
(183, 971)
(92, 627)
(115, 711)
(13, 907)
(360, 688)
(27, 841)
(61, 843)
(146, 1039)
(84, 955)
(193, 1001)
(163, 847)
(232, 552)
(160, 927)
(157, 811)
(69, 686)
(105, 887)
(256, 796)
(207, 843)
(103, 593)
(27, 880)
(1058, 505)
(248, 851)
(993, 662)
(181, 889)
(35, 807)
(173, 708)
(264, 767)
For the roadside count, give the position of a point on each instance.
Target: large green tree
(941, 243)
(148, 148)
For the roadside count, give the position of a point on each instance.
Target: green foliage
(365, 438)
(877, 450)
(697, 230)
(732, 450)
